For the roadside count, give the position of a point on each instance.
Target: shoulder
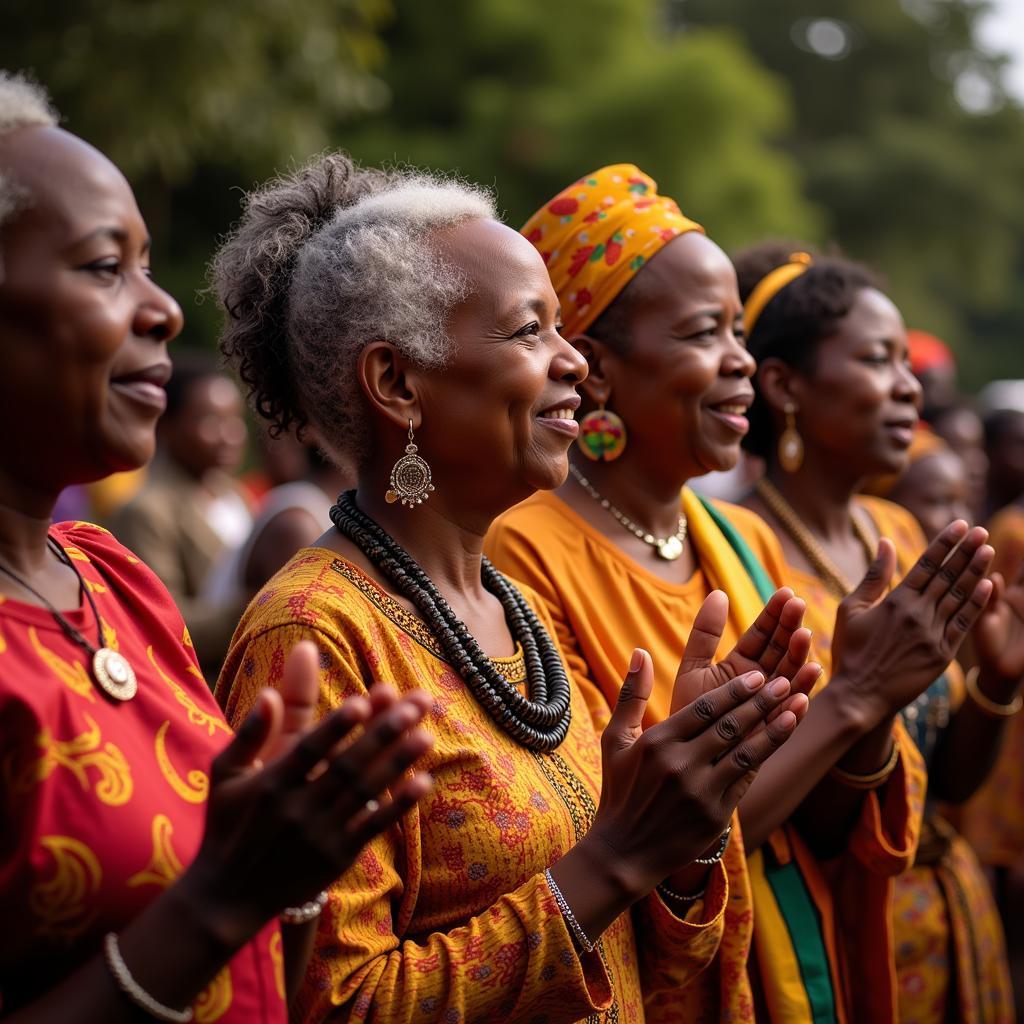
(754, 530)
(541, 515)
(87, 542)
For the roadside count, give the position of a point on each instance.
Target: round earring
(791, 444)
(602, 436)
(410, 477)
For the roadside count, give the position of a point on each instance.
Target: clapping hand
(998, 633)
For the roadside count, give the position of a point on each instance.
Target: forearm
(297, 942)
(971, 742)
(172, 949)
(832, 727)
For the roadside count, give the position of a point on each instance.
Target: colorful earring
(791, 444)
(410, 477)
(602, 436)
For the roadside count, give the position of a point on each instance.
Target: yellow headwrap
(770, 285)
(596, 234)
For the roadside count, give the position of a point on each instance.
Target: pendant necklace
(110, 671)
(668, 548)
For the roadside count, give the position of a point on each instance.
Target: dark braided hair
(797, 319)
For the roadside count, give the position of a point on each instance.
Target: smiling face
(858, 404)
(499, 414)
(680, 377)
(83, 328)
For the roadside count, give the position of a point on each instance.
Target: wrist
(224, 924)
(622, 880)
(856, 707)
(995, 686)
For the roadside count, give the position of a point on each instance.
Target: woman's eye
(108, 267)
(528, 330)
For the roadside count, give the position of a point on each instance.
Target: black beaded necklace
(539, 722)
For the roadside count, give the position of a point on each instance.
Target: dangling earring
(410, 477)
(602, 436)
(791, 444)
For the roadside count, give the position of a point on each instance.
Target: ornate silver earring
(410, 477)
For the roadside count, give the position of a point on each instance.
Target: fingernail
(636, 660)
(779, 688)
(754, 681)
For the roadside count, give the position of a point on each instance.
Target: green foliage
(925, 190)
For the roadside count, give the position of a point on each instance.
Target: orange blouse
(449, 916)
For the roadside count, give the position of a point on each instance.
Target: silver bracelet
(719, 853)
(570, 918)
(305, 912)
(678, 897)
(134, 991)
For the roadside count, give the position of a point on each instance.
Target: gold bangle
(875, 779)
(986, 704)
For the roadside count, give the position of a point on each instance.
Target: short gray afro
(23, 104)
(323, 261)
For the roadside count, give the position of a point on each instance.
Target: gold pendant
(114, 675)
(670, 549)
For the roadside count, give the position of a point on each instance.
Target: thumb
(300, 687)
(627, 718)
(259, 729)
(875, 583)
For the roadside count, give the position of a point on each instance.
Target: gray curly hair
(323, 261)
(23, 104)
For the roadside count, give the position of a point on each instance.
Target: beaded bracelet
(305, 912)
(134, 991)
(989, 706)
(723, 842)
(677, 897)
(570, 918)
(875, 779)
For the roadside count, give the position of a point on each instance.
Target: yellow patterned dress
(448, 917)
(102, 803)
(950, 953)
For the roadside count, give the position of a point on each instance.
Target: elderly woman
(836, 403)
(624, 548)
(550, 876)
(134, 877)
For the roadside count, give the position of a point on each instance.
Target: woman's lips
(143, 392)
(901, 433)
(733, 416)
(564, 424)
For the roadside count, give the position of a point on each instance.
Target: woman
(836, 402)
(135, 877)
(652, 304)
(552, 876)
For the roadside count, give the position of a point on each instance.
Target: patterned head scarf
(595, 235)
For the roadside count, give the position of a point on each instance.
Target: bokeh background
(887, 126)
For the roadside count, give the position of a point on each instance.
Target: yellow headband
(770, 285)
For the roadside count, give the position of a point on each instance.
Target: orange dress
(603, 604)
(993, 819)
(449, 917)
(102, 803)
(949, 943)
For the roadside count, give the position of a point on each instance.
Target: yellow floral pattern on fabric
(71, 674)
(196, 715)
(277, 956)
(62, 907)
(215, 1000)
(195, 787)
(79, 755)
(164, 867)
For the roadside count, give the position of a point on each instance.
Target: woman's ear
(600, 362)
(777, 382)
(391, 383)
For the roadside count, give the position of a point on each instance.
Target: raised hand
(668, 792)
(278, 834)
(888, 648)
(998, 633)
(776, 644)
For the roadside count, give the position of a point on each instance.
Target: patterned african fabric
(449, 917)
(596, 234)
(993, 819)
(948, 938)
(812, 964)
(102, 803)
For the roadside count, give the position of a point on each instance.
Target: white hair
(322, 263)
(23, 104)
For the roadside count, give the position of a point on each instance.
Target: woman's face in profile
(500, 411)
(83, 327)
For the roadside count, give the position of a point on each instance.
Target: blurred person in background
(624, 547)
(933, 364)
(280, 458)
(960, 426)
(191, 511)
(837, 403)
(146, 854)
(1004, 446)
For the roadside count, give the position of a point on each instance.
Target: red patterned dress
(102, 803)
